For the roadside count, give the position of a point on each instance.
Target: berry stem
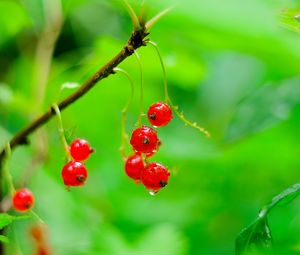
(124, 136)
(61, 131)
(142, 88)
(132, 14)
(168, 99)
(7, 174)
(37, 217)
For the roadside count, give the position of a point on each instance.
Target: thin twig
(135, 41)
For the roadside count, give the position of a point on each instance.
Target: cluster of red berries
(74, 173)
(145, 143)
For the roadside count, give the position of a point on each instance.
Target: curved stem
(168, 99)
(124, 136)
(135, 41)
(142, 89)
(61, 131)
(132, 14)
(6, 172)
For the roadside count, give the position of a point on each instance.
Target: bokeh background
(233, 66)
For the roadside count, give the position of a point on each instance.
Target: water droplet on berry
(152, 193)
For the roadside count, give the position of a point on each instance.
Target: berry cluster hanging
(74, 173)
(145, 143)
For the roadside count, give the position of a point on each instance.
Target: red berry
(150, 154)
(23, 200)
(134, 166)
(144, 140)
(80, 150)
(155, 176)
(42, 250)
(74, 173)
(37, 233)
(159, 114)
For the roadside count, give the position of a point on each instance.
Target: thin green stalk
(132, 14)
(61, 130)
(37, 217)
(142, 89)
(124, 136)
(6, 172)
(157, 17)
(168, 99)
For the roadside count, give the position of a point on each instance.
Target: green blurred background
(232, 66)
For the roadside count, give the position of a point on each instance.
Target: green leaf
(290, 19)
(5, 219)
(4, 239)
(265, 107)
(258, 234)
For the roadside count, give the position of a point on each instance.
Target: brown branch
(136, 40)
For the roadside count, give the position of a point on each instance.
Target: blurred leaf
(4, 239)
(168, 241)
(290, 19)
(6, 94)
(10, 27)
(264, 108)
(5, 219)
(258, 234)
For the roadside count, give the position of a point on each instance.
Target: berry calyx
(80, 150)
(23, 200)
(74, 173)
(159, 114)
(144, 140)
(155, 176)
(134, 166)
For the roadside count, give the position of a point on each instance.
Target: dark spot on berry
(162, 183)
(80, 178)
(27, 205)
(152, 116)
(146, 140)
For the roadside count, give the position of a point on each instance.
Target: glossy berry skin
(155, 176)
(74, 173)
(23, 200)
(134, 165)
(80, 150)
(159, 114)
(144, 140)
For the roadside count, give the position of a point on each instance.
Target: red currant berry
(144, 140)
(155, 176)
(23, 200)
(80, 150)
(134, 166)
(37, 233)
(159, 114)
(150, 154)
(74, 173)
